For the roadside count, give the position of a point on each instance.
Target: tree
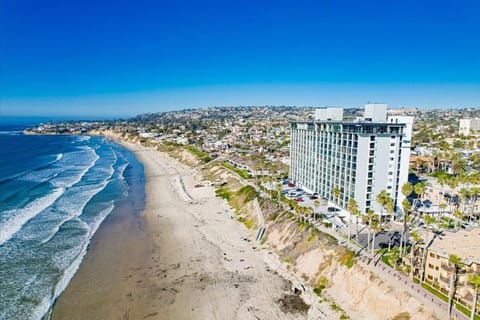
(459, 165)
(384, 200)
(394, 258)
(475, 194)
(279, 191)
(353, 209)
(336, 193)
(474, 280)
(455, 262)
(375, 228)
(419, 189)
(407, 190)
(316, 203)
(370, 216)
(415, 239)
(407, 207)
(459, 216)
(428, 221)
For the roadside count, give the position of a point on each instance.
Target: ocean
(55, 191)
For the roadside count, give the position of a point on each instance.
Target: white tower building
(358, 158)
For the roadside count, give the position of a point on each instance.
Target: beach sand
(185, 257)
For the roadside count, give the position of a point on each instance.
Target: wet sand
(183, 258)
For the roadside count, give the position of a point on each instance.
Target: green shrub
(347, 258)
(242, 173)
(248, 192)
(223, 193)
(204, 157)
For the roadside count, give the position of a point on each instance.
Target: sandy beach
(184, 258)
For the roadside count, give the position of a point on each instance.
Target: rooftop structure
(463, 243)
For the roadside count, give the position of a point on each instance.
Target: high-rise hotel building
(359, 158)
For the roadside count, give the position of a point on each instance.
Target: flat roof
(358, 123)
(463, 243)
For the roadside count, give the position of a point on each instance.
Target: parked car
(299, 199)
(291, 185)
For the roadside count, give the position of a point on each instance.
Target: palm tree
(407, 190)
(428, 221)
(442, 206)
(419, 189)
(384, 200)
(415, 239)
(407, 207)
(459, 165)
(375, 228)
(455, 262)
(353, 209)
(459, 216)
(370, 216)
(474, 280)
(316, 203)
(474, 193)
(279, 191)
(336, 193)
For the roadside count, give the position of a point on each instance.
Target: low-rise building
(439, 270)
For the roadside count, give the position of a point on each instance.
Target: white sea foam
(37, 174)
(70, 180)
(75, 264)
(74, 205)
(15, 219)
(83, 138)
(99, 219)
(10, 133)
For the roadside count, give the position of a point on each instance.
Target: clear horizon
(119, 59)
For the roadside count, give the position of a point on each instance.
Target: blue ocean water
(55, 191)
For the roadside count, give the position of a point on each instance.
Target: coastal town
(396, 190)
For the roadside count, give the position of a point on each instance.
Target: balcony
(445, 267)
(445, 280)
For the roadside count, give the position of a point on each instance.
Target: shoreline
(123, 229)
(192, 262)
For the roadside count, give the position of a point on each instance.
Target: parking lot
(325, 210)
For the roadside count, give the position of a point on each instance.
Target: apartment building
(469, 127)
(342, 160)
(438, 270)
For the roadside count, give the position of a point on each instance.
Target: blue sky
(117, 58)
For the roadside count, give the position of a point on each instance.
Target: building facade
(438, 269)
(342, 160)
(469, 127)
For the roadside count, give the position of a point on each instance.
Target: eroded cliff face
(332, 269)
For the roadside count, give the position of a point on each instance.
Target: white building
(469, 127)
(358, 158)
